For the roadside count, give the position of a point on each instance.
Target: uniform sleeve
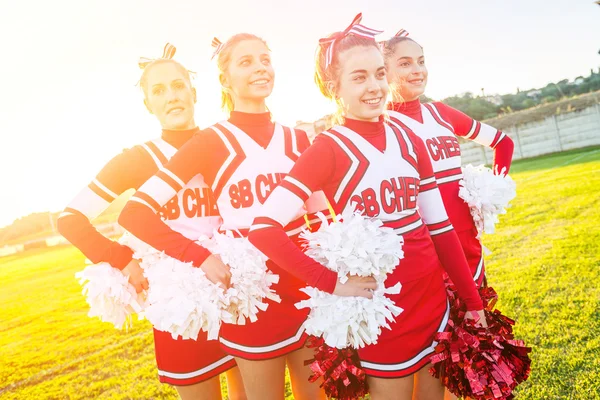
(127, 170)
(309, 174)
(203, 154)
(446, 242)
(486, 135)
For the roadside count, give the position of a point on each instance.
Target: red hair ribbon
(355, 28)
(401, 33)
(218, 46)
(168, 53)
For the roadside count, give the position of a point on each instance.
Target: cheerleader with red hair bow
(490, 362)
(191, 366)
(438, 125)
(242, 160)
(381, 169)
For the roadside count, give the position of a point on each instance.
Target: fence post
(518, 140)
(557, 132)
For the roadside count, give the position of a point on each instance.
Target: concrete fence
(554, 134)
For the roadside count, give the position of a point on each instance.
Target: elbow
(126, 217)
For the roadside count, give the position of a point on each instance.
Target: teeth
(260, 82)
(372, 101)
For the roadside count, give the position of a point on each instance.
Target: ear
(194, 94)
(332, 89)
(148, 107)
(223, 80)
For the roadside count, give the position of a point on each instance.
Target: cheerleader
(191, 366)
(383, 170)
(241, 159)
(438, 125)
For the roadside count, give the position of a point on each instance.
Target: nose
(372, 84)
(171, 95)
(260, 67)
(416, 69)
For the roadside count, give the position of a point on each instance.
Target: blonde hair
(223, 59)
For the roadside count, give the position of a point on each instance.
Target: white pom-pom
(487, 194)
(182, 300)
(108, 292)
(354, 246)
(250, 279)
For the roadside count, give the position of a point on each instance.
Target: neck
(397, 98)
(190, 125)
(250, 106)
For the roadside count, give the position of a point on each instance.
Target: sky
(68, 69)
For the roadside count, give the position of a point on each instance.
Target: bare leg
(299, 373)
(449, 396)
(207, 390)
(391, 389)
(426, 386)
(235, 385)
(264, 379)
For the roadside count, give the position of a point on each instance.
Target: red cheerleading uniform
(384, 171)
(438, 124)
(242, 159)
(191, 211)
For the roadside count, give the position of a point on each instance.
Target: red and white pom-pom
(360, 246)
(480, 363)
(487, 194)
(251, 280)
(108, 292)
(182, 300)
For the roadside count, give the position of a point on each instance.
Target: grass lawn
(545, 266)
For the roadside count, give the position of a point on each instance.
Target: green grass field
(545, 267)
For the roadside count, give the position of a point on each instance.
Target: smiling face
(249, 75)
(362, 87)
(169, 95)
(406, 70)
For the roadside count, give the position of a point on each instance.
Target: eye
(404, 64)
(179, 85)
(422, 62)
(245, 63)
(266, 61)
(381, 74)
(157, 91)
(358, 78)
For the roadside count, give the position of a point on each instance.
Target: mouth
(261, 81)
(417, 82)
(373, 102)
(175, 111)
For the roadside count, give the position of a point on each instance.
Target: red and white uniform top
(191, 212)
(383, 173)
(438, 125)
(242, 160)
(251, 172)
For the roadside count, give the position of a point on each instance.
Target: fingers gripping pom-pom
(251, 280)
(108, 292)
(487, 194)
(354, 246)
(182, 300)
(480, 363)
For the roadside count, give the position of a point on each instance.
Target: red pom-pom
(343, 377)
(480, 363)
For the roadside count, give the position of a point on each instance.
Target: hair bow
(401, 33)
(355, 28)
(218, 46)
(168, 53)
